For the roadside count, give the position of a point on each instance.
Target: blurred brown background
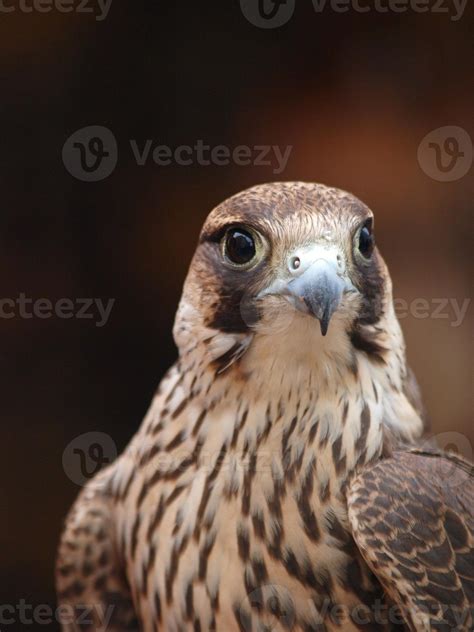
(353, 94)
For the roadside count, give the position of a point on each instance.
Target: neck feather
(287, 402)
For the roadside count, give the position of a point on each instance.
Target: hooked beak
(318, 291)
(318, 280)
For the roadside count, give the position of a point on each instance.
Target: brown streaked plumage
(412, 518)
(274, 483)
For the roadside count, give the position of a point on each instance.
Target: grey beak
(318, 291)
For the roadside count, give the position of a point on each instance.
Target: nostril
(295, 263)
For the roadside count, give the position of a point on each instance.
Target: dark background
(354, 94)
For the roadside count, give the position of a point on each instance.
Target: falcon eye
(366, 240)
(239, 246)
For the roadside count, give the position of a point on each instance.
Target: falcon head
(294, 261)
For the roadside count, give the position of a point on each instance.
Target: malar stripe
(368, 345)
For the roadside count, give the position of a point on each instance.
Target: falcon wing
(93, 593)
(412, 517)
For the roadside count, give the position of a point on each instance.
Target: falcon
(280, 480)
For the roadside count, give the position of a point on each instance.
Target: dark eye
(239, 246)
(366, 240)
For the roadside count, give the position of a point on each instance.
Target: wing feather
(412, 517)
